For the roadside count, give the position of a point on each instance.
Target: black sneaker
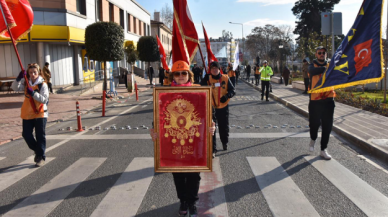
(183, 209)
(267, 100)
(36, 158)
(193, 211)
(225, 146)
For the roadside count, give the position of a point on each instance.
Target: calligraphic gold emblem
(181, 121)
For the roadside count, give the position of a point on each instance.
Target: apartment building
(58, 34)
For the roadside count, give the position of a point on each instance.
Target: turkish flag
(162, 54)
(363, 55)
(185, 38)
(23, 16)
(210, 55)
(8, 17)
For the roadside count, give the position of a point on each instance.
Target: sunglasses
(177, 74)
(321, 53)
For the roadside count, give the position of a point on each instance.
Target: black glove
(224, 98)
(21, 75)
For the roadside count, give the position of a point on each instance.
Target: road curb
(361, 143)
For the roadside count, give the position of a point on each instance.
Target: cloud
(270, 2)
(265, 21)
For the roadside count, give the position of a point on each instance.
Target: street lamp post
(242, 36)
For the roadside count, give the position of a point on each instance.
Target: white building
(58, 33)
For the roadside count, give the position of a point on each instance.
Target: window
(139, 28)
(111, 12)
(145, 29)
(122, 18)
(99, 10)
(134, 25)
(129, 22)
(81, 6)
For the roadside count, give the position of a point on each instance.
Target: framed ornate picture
(182, 117)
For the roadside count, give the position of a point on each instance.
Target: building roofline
(141, 7)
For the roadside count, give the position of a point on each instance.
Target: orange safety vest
(324, 95)
(219, 91)
(257, 72)
(231, 74)
(166, 82)
(27, 112)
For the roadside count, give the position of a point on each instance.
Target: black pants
(306, 84)
(286, 80)
(265, 87)
(321, 112)
(248, 75)
(151, 77)
(222, 118)
(38, 145)
(187, 186)
(50, 86)
(257, 79)
(237, 78)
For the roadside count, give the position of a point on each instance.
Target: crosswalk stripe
(15, 173)
(45, 199)
(368, 199)
(126, 195)
(283, 196)
(212, 195)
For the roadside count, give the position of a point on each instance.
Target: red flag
(184, 37)
(210, 55)
(162, 54)
(23, 16)
(363, 55)
(8, 18)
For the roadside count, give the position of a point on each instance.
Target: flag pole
(203, 61)
(20, 62)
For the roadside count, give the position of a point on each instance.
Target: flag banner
(359, 58)
(185, 38)
(182, 117)
(8, 18)
(210, 56)
(23, 17)
(236, 58)
(162, 54)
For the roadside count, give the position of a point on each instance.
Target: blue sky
(216, 14)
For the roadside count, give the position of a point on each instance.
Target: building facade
(57, 37)
(165, 36)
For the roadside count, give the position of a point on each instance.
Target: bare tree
(167, 15)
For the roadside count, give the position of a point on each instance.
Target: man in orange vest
(231, 74)
(222, 91)
(321, 105)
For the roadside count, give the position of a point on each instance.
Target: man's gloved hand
(224, 98)
(30, 91)
(21, 75)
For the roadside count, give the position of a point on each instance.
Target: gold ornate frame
(209, 147)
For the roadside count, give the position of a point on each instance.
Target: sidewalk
(61, 107)
(367, 130)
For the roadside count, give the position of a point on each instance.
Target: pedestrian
(266, 73)
(161, 75)
(257, 74)
(321, 105)
(166, 82)
(150, 74)
(237, 73)
(248, 70)
(231, 74)
(305, 75)
(47, 76)
(222, 92)
(186, 184)
(197, 74)
(38, 90)
(286, 75)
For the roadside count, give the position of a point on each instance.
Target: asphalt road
(242, 192)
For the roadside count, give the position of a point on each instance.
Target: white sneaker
(311, 145)
(325, 155)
